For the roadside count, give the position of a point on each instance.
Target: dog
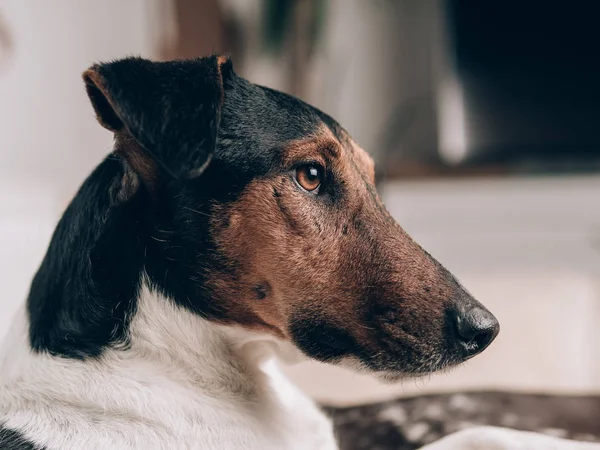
(231, 223)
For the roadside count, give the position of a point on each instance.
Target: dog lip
(415, 361)
(399, 373)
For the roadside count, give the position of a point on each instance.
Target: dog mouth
(394, 344)
(397, 366)
(391, 360)
(392, 369)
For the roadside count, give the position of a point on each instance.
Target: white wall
(48, 134)
(49, 138)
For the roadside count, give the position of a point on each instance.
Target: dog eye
(309, 177)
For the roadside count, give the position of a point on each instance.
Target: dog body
(231, 223)
(182, 382)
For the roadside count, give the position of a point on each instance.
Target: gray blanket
(409, 423)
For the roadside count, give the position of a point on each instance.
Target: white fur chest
(203, 395)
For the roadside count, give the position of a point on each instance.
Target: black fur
(85, 291)
(323, 341)
(171, 108)
(13, 440)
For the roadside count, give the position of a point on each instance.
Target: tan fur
(138, 159)
(364, 161)
(221, 60)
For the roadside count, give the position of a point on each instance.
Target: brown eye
(309, 177)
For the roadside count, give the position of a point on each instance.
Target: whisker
(195, 211)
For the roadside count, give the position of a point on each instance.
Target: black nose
(475, 329)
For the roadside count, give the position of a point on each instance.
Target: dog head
(257, 210)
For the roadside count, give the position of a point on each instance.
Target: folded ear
(172, 109)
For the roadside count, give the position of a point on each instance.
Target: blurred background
(482, 117)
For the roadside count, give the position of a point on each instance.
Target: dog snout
(474, 328)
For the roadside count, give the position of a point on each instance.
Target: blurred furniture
(526, 85)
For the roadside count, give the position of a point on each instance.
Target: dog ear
(171, 109)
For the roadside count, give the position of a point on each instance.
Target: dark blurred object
(6, 43)
(410, 423)
(293, 27)
(529, 75)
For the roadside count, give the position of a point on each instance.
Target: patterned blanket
(409, 423)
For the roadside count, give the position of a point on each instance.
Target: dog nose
(475, 329)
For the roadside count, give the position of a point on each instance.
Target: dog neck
(168, 342)
(200, 351)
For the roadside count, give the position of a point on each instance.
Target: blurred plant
(291, 31)
(6, 43)
(280, 16)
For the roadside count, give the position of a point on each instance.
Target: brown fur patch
(222, 59)
(138, 159)
(321, 147)
(104, 108)
(364, 161)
